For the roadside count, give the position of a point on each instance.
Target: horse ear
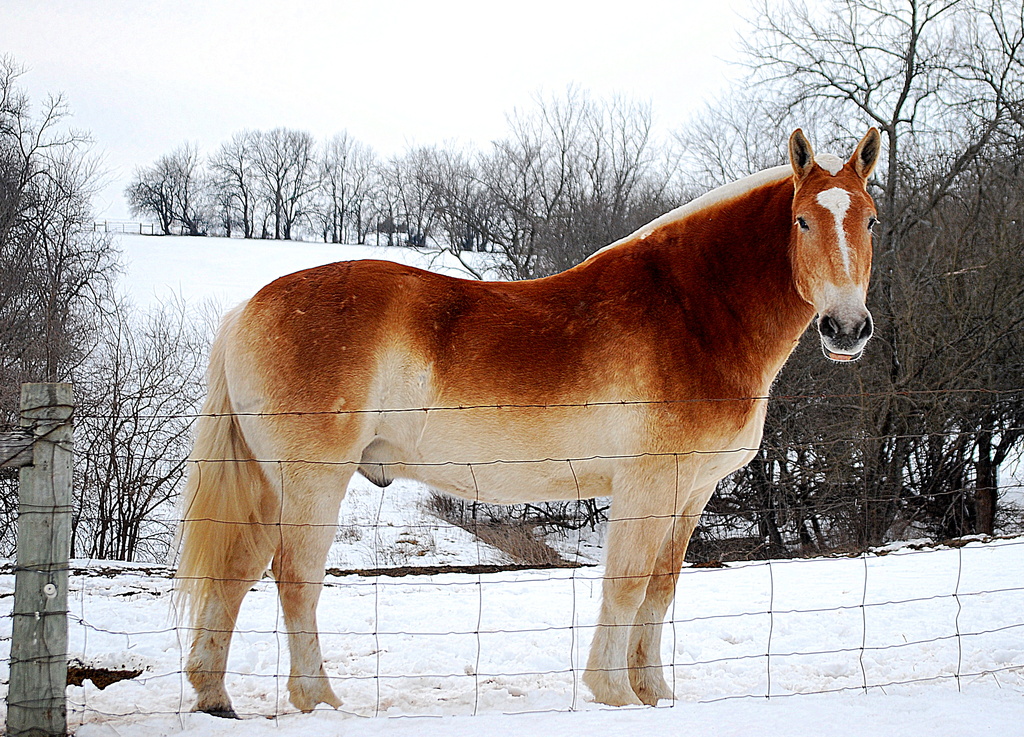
(866, 156)
(801, 155)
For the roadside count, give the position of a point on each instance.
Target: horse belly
(508, 455)
(506, 483)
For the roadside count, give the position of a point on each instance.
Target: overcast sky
(144, 76)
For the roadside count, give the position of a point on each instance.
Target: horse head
(831, 251)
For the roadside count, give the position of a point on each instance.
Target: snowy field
(936, 636)
(230, 270)
(923, 642)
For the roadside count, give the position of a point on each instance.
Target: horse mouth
(841, 357)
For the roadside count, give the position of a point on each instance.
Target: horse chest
(733, 452)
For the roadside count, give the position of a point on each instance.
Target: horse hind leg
(312, 496)
(214, 624)
(646, 674)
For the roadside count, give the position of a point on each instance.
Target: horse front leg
(640, 521)
(646, 674)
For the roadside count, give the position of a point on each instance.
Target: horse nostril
(828, 327)
(866, 329)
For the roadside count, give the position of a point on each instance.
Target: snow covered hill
(230, 270)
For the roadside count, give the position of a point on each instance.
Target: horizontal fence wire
(386, 655)
(89, 704)
(595, 404)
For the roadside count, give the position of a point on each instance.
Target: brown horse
(640, 374)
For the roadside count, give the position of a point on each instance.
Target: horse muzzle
(843, 337)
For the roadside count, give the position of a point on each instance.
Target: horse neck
(732, 267)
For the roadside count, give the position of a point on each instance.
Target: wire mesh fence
(490, 636)
(516, 641)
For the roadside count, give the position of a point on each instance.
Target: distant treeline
(572, 174)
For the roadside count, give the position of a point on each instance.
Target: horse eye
(803, 224)
(872, 222)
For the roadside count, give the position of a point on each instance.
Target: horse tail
(228, 503)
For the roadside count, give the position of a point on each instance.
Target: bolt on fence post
(36, 703)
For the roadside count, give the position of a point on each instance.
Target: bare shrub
(510, 529)
(138, 393)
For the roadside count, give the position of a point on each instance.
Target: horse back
(335, 327)
(367, 335)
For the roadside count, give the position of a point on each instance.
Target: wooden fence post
(35, 700)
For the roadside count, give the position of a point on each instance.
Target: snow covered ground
(380, 528)
(935, 636)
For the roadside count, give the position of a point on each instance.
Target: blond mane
(714, 197)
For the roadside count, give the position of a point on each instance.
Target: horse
(641, 374)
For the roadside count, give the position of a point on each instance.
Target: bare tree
(149, 194)
(935, 76)
(388, 201)
(333, 201)
(729, 139)
(415, 179)
(362, 167)
(347, 170)
(575, 174)
(917, 453)
(173, 190)
(52, 271)
(233, 180)
(285, 162)
(466, 214)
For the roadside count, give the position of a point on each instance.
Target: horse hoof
(613, 692)
(651, 698)
(223, 713)
(306, 692)
(652, 691)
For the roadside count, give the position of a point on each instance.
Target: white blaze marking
(837, 201)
